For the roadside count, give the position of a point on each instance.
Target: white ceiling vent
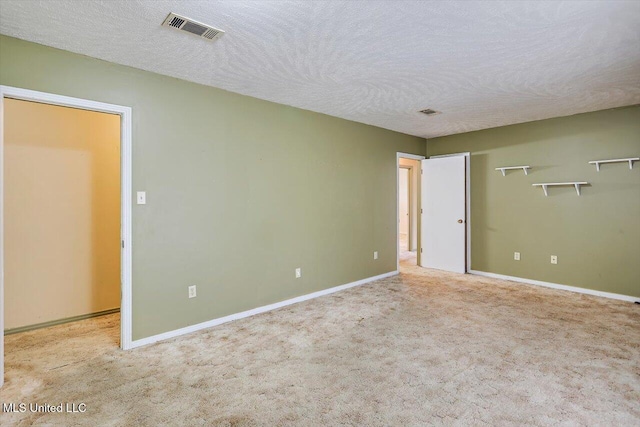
(194, 27)
(429, 112)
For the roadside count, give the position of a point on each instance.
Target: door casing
(125, 194)
(410, 203)
(402, 155)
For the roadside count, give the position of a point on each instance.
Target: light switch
(141, 198)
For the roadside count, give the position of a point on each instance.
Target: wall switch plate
(141, 197)
(375, 255)
(516, 256)
(554, 259)
(298, 273)
(192, 291)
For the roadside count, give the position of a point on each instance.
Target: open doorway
(65, 222)
(61, 215)
(408, 205)
(434, 211)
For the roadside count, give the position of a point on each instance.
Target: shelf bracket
(577, 187)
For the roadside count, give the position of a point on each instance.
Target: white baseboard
(557, 286)
(252, 312)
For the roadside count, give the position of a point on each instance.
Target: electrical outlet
(554, 259)
(298, 273)
(192, 291)
(375, 255)
(516, 256)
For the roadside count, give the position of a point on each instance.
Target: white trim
(401, 155)
(1, 237)
(126, 259)
(410, 204)
(126, 173)
(557, 286)
(468, 190)
(253, 312)
(65, 101)
(464, 153)
(467, 180)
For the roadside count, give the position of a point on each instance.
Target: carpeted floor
(421, 348)
(407, 258)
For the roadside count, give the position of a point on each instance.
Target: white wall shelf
(546, 185)
(628, 159)
(506, 168)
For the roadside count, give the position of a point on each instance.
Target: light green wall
(596, 236)
(240, 191)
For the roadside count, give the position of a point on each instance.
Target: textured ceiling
(483, 64)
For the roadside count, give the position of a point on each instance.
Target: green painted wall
(240, 191)
(596, 236)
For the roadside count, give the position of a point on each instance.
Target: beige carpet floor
(421, 348)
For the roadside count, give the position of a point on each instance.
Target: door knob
(460, 221)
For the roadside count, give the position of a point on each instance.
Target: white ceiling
(483, 64)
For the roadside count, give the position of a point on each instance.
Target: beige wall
(596, 236)
(403, 201)
(415, 186)
(62, 212)
(313, 191)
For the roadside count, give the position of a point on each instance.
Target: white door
(443, 234)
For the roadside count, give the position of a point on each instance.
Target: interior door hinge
(123, 244)
(420, 250)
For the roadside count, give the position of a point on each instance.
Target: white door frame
(410, 202)
(467, 179)
(400, 155)
(125, 193)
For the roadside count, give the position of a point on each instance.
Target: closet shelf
(505, 168)
(545, 185)
(628, 159)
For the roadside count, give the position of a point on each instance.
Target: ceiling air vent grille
(211, 34)
(429, 112)
(176, 22)
(194, 27)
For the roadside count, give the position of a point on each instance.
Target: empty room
(363, 213)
